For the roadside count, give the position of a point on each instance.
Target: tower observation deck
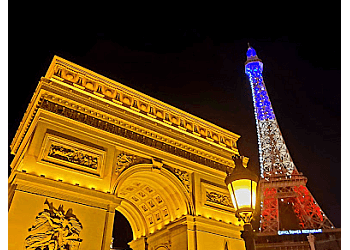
(282, 186)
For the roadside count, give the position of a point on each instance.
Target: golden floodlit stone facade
(88, 146)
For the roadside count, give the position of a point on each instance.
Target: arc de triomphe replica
(88, 145)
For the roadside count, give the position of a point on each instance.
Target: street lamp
(242, 184)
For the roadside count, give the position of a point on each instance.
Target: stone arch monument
(88, 146)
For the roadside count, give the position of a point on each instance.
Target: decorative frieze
(218, 198)
(73, 155)
(113, 91)
(129, 134)
(215, 195)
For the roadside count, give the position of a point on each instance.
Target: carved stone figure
(54, 230)
(74, 156)
(183, 177)
(125, 161)
(219, 198)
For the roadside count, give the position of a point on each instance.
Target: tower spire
(280, 180)
(251, 55)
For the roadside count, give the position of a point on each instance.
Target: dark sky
(200, 69)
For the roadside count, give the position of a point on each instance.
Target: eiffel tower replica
(287, 206)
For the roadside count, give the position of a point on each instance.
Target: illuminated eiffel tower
(281, 185)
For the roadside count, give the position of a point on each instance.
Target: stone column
(108, 229)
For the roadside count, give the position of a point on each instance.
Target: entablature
(107, 89)
(82, 95)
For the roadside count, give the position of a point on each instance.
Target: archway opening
(122, 232)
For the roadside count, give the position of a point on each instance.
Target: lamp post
(242, 185)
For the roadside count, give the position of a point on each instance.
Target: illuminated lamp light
(242, 185)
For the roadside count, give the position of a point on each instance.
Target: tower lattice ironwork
(280, 181)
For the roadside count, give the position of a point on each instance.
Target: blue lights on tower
(253, 69)
(251, 52)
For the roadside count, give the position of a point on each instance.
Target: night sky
(200, 69)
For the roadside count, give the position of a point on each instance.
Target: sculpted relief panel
(215, 195)
(218, 198)
(54, 229)
(71, 154)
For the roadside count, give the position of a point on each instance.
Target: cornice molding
(88, 81)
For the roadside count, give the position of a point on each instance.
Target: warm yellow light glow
(76, 145)
(241, 191)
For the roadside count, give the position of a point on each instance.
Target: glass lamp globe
(242, 185)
